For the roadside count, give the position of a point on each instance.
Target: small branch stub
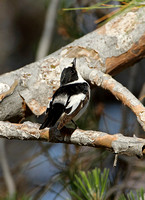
(5, 90)
(115, 160)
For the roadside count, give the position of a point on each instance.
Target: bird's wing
(61, 99)
(54, 110)
(75, 104)
(65, 105)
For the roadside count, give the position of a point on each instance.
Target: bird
(69, 101)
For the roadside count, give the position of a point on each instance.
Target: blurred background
(30, 30)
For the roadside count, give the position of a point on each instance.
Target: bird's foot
(76, 126)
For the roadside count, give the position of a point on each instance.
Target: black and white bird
(69, 101)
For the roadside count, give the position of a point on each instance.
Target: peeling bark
(115, 64)
(111, 48)
(8, 91)
(119, 144)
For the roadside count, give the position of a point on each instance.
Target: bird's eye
(72, 71)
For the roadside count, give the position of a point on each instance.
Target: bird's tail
(53, 115)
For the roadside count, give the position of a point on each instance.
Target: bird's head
(69, 74)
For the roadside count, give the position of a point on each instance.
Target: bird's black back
(72, 89)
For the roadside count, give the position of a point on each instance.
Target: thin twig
(115, 160)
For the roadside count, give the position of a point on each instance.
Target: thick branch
(119, 144)
(101, 50)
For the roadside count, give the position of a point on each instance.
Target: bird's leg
(76, 126)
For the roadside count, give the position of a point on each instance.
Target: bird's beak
(74, 62)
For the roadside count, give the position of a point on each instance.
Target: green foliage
(124, 5)
(91, 185)
(106, 4)
(139, 195)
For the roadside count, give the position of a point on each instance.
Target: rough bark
(119, 144)
(102, 49)
(109, 49)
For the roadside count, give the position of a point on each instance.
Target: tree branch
(119, 144)
(121, 93)
(111, 48)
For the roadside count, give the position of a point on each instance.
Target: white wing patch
(62, 99)
(48, 105)
(74, 101)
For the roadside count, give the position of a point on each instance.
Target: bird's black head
(69, 74)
